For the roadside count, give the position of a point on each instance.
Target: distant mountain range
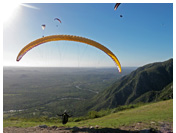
(152, 82)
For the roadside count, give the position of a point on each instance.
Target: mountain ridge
(145, 84)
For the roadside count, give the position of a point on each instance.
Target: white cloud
(29, 6)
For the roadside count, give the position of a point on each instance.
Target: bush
(14, 118)
(93, 114)
(43, 118)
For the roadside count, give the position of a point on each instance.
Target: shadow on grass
(97, 130)
(108, 130)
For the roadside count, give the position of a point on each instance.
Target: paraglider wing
(58, 20)
(116, 6)
(43, 26)
(68, 38)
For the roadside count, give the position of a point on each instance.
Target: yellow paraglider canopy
(68, 38)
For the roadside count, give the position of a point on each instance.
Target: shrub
(93, 114)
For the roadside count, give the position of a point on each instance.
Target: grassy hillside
(151, 115)
(156, 112)
(165, 94)
(142, 85)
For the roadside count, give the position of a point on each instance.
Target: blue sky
(143, 35)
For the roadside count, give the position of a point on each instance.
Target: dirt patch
(140, 127)
(159, 127)
(36, 130)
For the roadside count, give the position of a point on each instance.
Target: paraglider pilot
(65, 117)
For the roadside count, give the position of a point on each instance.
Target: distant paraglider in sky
(68, 38)
(116, 6)
(57, 20)
(43, 26)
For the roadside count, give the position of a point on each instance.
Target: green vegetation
(33, 96)
(38, 91)
(154, 112)
(152, 82)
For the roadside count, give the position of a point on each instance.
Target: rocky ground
(136, 128)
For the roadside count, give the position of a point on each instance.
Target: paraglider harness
(65, 117)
